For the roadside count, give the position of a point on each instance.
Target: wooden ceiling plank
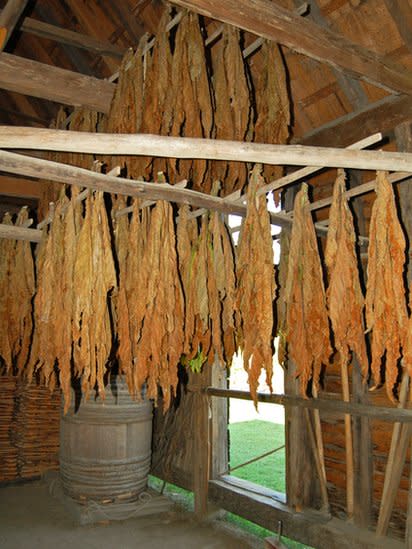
(381, 116)
(267, 19)
(70, 38)
(18, 186)
(62, 86)
(26, 118)
(9, 18)
(401, 13)
(351, 87)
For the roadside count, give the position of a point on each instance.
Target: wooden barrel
(105, 447)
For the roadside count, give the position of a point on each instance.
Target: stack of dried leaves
(307, 324)
(345, 299)
(16, 293)
(256, 286)
(386, 313)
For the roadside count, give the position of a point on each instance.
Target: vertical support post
(201, 439)
(362, 455)
(219, 439)
(361, 431)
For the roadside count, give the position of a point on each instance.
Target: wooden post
(219, 440)
(362, 454)
(361, 432)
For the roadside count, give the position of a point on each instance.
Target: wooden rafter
(351, 87)
(9, 18)
(68, 37)
(60, 85)
(382, 116)
(267, 19)
(401, 13)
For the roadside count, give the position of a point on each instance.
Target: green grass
(248, 440)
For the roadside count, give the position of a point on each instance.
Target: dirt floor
(31, 517)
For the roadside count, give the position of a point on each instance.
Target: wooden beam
(381, 116)
(47, 82)
(9, 18)
(309, 527)
(17, 186)
(330, 405)
(12, 137)
(20, 233)
(401, 14)
(351, 87)
(70, 38)
(268, 19)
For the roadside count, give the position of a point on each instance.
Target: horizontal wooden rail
(12, 137)
(324, 405)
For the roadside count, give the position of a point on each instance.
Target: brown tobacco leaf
(232, 105)
(6, 258)
(344, 294)
(190, 99)
(256, 286)
(20, 298)
(281, 306)
(44, 350)
(307, 332)
(161, 343)
(95, 278)
(156, 117)
(272, 103)
(64, 319)
(136, 281)
(121, 308)
(222, 288)
(386, 313)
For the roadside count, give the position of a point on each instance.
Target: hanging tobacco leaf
(256, 286)
(386, 313)
(344, 294)
(307, 325)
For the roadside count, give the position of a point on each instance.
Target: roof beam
(381, 116)
(9, 18)
(267, 19)
(47, 82)
(68, 37)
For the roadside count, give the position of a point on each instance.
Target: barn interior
(138, 143)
